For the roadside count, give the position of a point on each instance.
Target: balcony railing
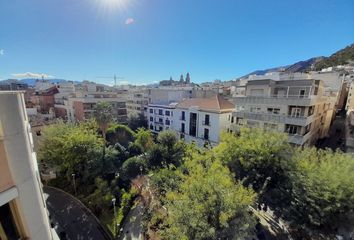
(206, 123)
(277, 118)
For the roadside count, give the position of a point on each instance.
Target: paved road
(131, 229)
(70, 216)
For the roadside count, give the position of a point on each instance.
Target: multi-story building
(23, 213)
(160, 116)
(137, 101)
(194, 119)
(201, 120)
(80, 106)
(297, 107)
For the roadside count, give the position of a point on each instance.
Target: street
(131, 228)
(71, 219)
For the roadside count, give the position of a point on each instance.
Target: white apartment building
(200, 120)
(23, 212)
(160, 116)
(297, 107)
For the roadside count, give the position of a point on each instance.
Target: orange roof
(216, 103)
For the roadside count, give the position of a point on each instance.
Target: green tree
(322, 188)
(133, 167)
(103, 114)
(209, 204)
(167, 151)
(144, 139)
(259, 158)
(118, 133)
(136, 121)
(73, 148)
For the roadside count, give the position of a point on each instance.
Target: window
(182, 127)
(151, 127)
(302, 93)
(181, 136)
(240, 108)
(257, 92)
(183, 116)
(206, 134)
(273, 110)
(255, 109)
(206, 119)
(167, 113)
(232, 119)
(151, 110)
(160, 120)
(151, 119)
(193, 124)
(295, 112)
(160, 112)
(8, 228)
(167, 122)
(239, 121)
(311, 110)
(292, 129)
(160, 128)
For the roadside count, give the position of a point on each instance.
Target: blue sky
(145, 41)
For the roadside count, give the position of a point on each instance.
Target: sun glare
(113, 5)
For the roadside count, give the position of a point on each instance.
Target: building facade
(297, 107)
(201, 120)
(160, 116)
(23, 213)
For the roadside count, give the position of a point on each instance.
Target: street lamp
(115, 218)
(73, 175)
(141, 170)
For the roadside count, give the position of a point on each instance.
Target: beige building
(23, 213)
(80, 106)
(298, 107)
(137, 101)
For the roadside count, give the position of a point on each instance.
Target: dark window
(183, 116)
(193, 124)
(302, 93)
(206, 134)
(160, 128)
(151, 127)
(160, 112)
(182, 136)
(232, 119)
(7, 223)
(160, 120)
(151, 110)
(151, 119)
(167, 122)
(207, 118)
(182, 127)
(167, 113)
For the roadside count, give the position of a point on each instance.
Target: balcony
(298, 100)
(182, 118)
(276, 118)
(206, 123)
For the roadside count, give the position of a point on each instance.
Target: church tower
(188, 78)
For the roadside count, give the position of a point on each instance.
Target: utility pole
(115, 218)
(73, 175)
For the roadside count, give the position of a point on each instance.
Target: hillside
(342, 57)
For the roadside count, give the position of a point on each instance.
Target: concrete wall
(22, 164)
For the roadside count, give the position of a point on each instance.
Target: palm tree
(103, 114)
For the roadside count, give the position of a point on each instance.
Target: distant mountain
(341, 57)
(32, 81)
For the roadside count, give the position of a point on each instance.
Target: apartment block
(137, 101)
(160, 116)
(80, 106)
(23, 213)
(201, 120)
(297, 107)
